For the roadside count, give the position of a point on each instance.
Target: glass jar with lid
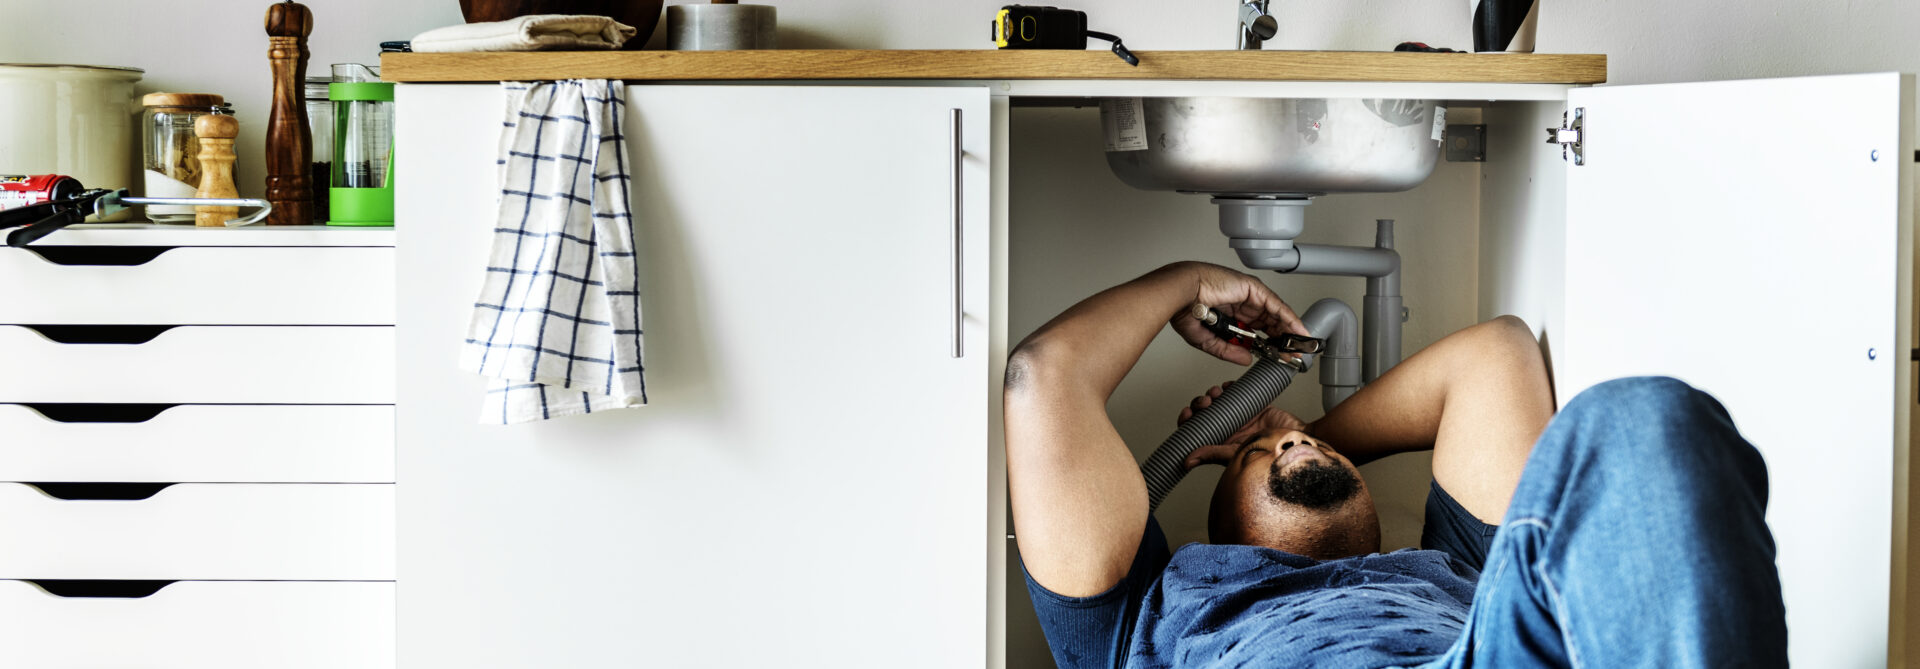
(170, 152)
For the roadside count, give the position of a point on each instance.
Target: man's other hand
(1269, 419)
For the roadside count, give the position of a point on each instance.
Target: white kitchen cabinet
(246, 375)
(1755, 239)
(1792, 236)
(807, 488)
(756, 204)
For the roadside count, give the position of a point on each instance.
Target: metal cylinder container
(720, 27)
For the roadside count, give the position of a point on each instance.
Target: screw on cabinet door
(1874, 155)
(1870, 354)
(1569, 136)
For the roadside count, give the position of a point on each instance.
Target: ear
(1212, 454)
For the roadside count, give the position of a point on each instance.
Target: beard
(1316, 485)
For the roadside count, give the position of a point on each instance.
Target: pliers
(1284, 348)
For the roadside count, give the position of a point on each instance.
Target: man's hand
(1241, 297)
(1269, 419)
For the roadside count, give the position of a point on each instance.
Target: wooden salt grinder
(289, 139)
(216, 133)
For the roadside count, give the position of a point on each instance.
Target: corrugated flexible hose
(1212, 425)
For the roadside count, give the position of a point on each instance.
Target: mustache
(1316, 485)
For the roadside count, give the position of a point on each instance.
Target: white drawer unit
(201, 625)
(216, 531)
(204, 410)
(201, 364)
(197, 285)
(197, 443)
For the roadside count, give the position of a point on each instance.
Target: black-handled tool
(1285, 348)
(39, 220)
(1031, 27)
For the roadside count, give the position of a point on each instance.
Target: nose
(1292, 438)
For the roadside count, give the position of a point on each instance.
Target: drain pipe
(1261, 231)
(1384, 308)
(1323, 259)
(1340, 364)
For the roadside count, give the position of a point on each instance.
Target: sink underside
(1277, 146)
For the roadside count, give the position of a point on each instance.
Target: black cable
(1118, 48)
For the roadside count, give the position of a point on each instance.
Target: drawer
(197, 443)
(201, 625)
(242, 531)
(200, 285)
(199, 365)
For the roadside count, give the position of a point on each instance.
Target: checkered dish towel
(557, 325)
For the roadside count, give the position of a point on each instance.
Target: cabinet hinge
(1570, 135)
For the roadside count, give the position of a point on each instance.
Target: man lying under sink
(1627, 531)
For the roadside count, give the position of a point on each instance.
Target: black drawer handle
(76, 412)
(99, 255)
(65, 587)
(106, 491)
(100, 334)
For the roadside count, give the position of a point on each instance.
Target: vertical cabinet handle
(954, 208)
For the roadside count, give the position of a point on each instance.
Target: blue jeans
(1637, 538)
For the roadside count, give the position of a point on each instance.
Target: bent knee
(1665, 420)
(1649, 397)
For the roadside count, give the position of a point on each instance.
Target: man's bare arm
(1479, 398)
(1079, 501)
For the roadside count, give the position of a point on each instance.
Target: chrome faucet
(1256, 25)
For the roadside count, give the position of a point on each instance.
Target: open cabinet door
(1754, 239)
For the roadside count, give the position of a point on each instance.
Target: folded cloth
(539, 32)
(557, 325)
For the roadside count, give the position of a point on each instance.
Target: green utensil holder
(363, 154)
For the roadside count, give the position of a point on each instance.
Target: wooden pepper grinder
(289, 139)
(216, 133)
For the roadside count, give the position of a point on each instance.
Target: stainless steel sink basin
(1277, 146)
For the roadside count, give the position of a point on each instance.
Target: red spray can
(18, 191)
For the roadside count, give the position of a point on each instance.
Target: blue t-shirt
(1227, 605)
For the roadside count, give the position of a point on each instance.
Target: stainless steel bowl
(1268, 146)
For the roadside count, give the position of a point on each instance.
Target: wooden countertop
(990, 64)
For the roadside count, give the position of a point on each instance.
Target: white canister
(75, 120)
